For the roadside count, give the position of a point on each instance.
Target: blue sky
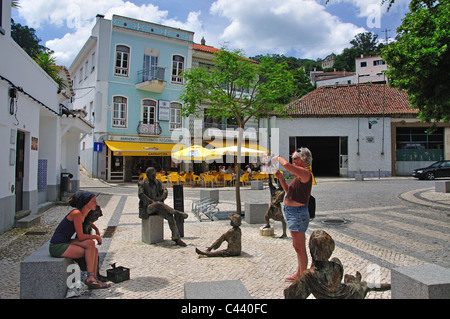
(300, 28)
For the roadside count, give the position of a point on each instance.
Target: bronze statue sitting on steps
(323, 279)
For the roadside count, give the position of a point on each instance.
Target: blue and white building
(127, 79)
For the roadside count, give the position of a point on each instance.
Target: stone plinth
(254, 212)
(43, 276)
(420, 282)
(153, 229)
(266, 231)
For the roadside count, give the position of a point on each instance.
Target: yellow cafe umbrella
(233, 150)
(194, 153)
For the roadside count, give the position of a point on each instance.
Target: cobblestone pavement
(387, 223)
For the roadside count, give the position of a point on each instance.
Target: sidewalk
(160, 270)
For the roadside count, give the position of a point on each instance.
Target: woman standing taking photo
(62, 245)
(296, 202)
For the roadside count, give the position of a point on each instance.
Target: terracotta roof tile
(205, 48)
(212, 50)
(352, 100)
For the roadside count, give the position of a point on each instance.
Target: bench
(206, 206)
(420, 282)
(225, 289)
(43, 276)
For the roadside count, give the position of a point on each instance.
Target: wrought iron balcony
(151, 79)
(149, 129)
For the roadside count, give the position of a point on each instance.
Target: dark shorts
(56, 250)
(297, 218)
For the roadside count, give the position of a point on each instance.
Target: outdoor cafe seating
(206, 179)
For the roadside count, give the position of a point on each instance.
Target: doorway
(20, 167)
(325, 152)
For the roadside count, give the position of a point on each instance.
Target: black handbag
(312, 207)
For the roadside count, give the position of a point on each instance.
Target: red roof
(352, 100)
(212, 50)
(205, 48)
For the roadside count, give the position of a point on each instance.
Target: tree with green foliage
(304, 85)
(48, 63)
(419, 59)
(27, 39)
(298, 68)
(270, 86)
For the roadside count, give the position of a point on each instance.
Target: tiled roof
(212, 50)
(205, 48)
(352, 100)
(332, 75)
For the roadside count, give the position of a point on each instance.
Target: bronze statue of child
(274, 211)
(232, 236)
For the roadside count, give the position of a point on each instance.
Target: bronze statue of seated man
(152, 194)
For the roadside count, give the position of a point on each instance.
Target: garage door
(325, 153)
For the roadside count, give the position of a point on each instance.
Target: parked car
(438, 169)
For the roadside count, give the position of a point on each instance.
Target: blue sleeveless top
(64, 232)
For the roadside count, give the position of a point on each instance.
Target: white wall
(370, 160)
(20, 70)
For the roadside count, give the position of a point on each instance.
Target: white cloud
(302, 26)
(78, 18)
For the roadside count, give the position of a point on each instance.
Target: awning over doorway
(139, 149)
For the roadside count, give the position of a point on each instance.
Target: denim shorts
(297, 218)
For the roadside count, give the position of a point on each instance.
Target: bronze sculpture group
(322, 280)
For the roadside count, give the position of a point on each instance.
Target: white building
(370, 70)
(365, 128)
(334, 78)
(37, 142)
(367, 70)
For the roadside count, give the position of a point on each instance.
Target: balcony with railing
(151, 79)
(149, 129)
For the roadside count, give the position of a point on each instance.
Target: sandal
(97, 284)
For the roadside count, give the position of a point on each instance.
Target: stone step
(22, 213)
(28, 221)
